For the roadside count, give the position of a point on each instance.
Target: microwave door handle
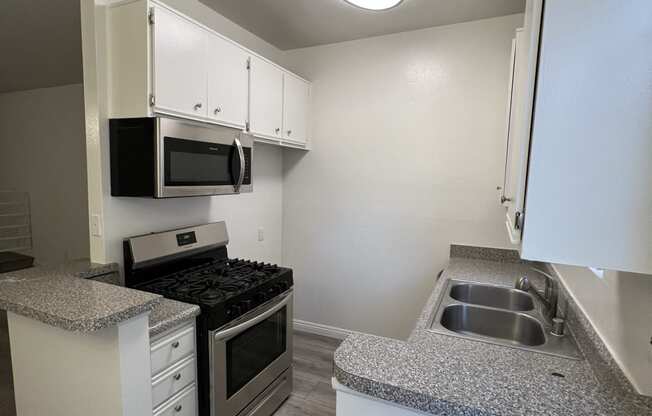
(242, 165)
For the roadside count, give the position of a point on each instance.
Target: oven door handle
(238, 146)
(229, 332)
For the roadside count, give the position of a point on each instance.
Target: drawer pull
(177, 376)
(175, 344)
(178, 408)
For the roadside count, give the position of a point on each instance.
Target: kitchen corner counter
(169, 314)
(60, 298)
(442, 374)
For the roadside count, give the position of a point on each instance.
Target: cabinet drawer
(173, 381)
(185, 404)
(172, 349)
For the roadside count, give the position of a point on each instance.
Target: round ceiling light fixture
(375, 4)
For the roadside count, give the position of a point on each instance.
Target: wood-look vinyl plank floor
(312, 394)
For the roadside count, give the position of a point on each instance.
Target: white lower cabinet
(169, 350)
(183, 404)
(173, 381)
(174, 371)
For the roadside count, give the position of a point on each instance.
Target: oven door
(248, 355)
(197, 160)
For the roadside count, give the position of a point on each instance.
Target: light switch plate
(96, 225)
(261, 234)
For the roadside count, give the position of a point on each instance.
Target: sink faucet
(549, 298)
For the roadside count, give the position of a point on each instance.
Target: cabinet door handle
(177, 376)
(178, 408)
(217, 110)
(198, 106)
(175, 344)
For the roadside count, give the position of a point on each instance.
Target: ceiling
(290, 24)
(40, 44)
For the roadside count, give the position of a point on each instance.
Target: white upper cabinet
(161, 62)
(589, 190)
(228, 82)
(296, 104)
(179, 70)
(524, 69)
(266, 99)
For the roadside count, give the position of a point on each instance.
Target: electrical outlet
(261, 234)
(96, 225)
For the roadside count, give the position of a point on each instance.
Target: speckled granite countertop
(441, 374)
(168, 314)
(59, 297)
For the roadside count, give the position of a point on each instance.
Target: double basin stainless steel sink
(499, 315)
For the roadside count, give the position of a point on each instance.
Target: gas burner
(214, 282)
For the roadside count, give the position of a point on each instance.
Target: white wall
(42, 152)
(408, 148)
(620, 308)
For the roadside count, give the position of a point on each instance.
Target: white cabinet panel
(179, 68)
(173, 381)
(524, 79)
(266, 99)
(193, 72)
(172, 349)
(296, 103)
(185, 404)
(589, 197)
(227, 81)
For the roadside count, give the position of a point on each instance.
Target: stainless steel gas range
(244, 336)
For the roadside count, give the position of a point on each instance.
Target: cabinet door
(504, 199)
(227, 82)
(266, 99)
(296, 102)
(589, 197)
(179, 65)
(525, 67)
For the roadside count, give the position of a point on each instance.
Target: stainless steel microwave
(166, 158)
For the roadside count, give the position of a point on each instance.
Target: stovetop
(192, 265)
(224, 289)
(215, 283)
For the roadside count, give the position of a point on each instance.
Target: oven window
(195, 163)
(250, 352)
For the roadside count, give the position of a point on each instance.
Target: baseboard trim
(320, 329)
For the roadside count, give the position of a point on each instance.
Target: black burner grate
(213, 283)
